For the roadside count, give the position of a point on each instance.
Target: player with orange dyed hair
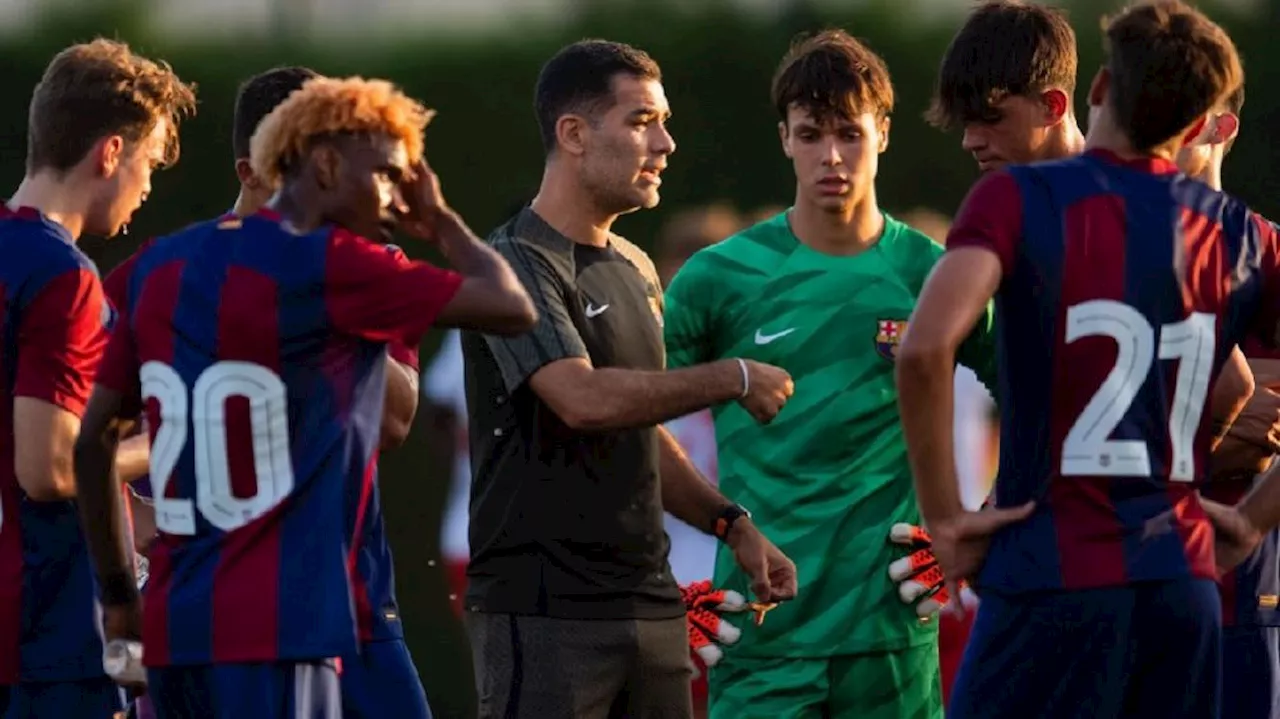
(251, 596)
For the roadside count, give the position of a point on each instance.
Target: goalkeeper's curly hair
(329, 107)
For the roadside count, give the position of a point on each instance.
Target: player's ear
(1056, 104)
(571, 131)
(244, 171)
(1099, 87)
(883, 131)
(109, 152)
(1226, 127)
(328, 163)
(783, 136)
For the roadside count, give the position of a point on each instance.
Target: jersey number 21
(1089, 449)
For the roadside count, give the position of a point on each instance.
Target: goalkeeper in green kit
(823, 290)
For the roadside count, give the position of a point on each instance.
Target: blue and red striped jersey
(1125, 285)
(54, 322)
(258, 357)
(372, 569)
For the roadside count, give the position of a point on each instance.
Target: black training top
(565, 523)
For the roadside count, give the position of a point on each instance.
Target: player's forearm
(1230, 394)
(612, 399)
(497, 301)
(686, 494)
(101, 513)
(925, 397)
(133, 457)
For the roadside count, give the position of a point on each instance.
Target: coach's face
(836, 159)
(1014, 131)
(366, 185)
(625, 149)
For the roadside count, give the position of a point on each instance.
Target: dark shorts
(1251, 672)
(381, 681)
(1146, 650)
(262, 690)
(544, 668)
(98, 697)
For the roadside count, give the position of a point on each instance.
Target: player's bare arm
(44, 435)
(98, 488)
(491, 298)
(688, 496)
(401, 404)
(1232, 390)
(588, 398)
(953, 298)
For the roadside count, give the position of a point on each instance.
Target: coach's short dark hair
(1169, 64)
(1006, 48)
(832, 74)
(579, 79)
(258, 96)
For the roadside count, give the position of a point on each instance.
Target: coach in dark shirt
(573, 611)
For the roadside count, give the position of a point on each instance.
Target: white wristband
(746, 378)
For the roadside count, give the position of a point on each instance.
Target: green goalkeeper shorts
(884, 685)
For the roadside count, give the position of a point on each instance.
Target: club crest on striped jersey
(889, 336)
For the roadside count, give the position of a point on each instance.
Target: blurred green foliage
(484, 145)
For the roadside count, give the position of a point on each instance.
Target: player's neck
(1105, 135)
(837, 233)
(299, 212)
(1066, 140)
(57, 198)
(564, 203)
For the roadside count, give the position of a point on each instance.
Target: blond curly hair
(329, 106)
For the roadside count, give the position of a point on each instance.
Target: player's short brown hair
(331, 107)
(1005, 49)
(1169, 64)
(832, 75)
(100, 89)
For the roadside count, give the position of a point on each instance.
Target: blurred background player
(1050, 617)
(1250, 621)
(222, 639)
(102, 120)
(831, 274)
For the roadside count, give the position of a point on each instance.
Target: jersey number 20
(205, 405)
(1089, 449)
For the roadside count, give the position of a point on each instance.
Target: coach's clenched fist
(765, 389)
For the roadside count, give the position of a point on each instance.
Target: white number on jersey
(1089, 449)
(206, 408)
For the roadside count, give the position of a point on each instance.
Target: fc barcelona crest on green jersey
(888, 336)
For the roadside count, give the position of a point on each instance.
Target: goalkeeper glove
(919, 575)
(707, 630)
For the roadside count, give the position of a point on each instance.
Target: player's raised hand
(424, 202)
(772, 573)
(961, 543)
(1234, 536)
(767, 390)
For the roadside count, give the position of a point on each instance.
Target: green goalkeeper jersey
(829, 476)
